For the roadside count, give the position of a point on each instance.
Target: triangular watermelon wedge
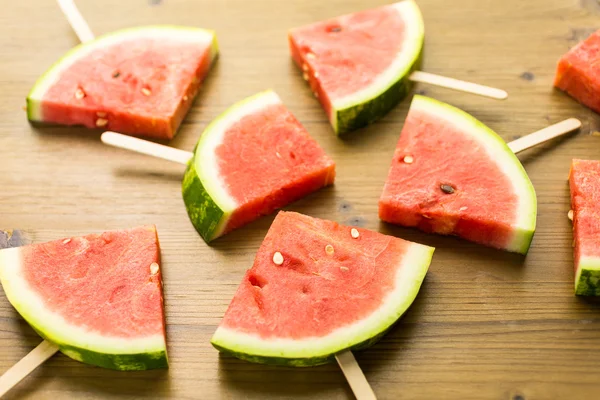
(318, 288)
(584, 180)
(254, 158)
(97, 297)
(140, 81)
(358, 65)
(453, 175)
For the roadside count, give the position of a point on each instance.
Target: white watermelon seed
(79, 94)
(463, 208)
(304, 67)
(278, 258)
(354, 233)
(329, 249)
(310, 56)
(316, 94)
(316, 75)
(305, 76)
(100, 122)
(185, 98)
(66, 241)
(146, 91)
(154, 268)
(408, 159)
(344, 269)
(101, 114)
(570, 215)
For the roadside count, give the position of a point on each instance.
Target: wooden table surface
(486, 324)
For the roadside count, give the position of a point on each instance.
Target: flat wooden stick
(463, 86)
(81, 28)
(146, 147)
(543, 135)
(31, 361)
(355, 377)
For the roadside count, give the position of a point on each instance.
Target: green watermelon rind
(316, 351)
(208, 204)
(587, 278)
(36, 94)
(524, 228)
(70, 339)
(356, 111)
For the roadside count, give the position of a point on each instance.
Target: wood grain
(486, 325)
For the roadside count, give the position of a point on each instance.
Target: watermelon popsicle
(359, 66)
(139, 81)
(318, 290)
(453, 175)
(251, 160)
(98, 299)
(577, 72)
(584, 180)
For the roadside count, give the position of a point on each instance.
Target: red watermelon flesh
(584, 180)
(110, 271)
(578, 74)
(140, 81)
(448, 177)
(270, 144)
(98, 297)
(334, 52)
(334, 287)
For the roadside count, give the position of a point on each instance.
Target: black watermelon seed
(116, 74)
(448, 189)
(335, 29)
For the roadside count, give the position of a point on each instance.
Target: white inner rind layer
(194, 36)
(53, 325)
(409, 277)
(588, 264)
(207, 164)
(411, 46)
(500, 154)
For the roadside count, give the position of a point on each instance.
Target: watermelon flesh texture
(452, 175)
(584, 181)
(358, 64)
(317, 303)
(139, 81)
(98, 297)
(577, 73)
(252, 160)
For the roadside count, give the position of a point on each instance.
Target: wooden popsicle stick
(463, 86)
(543, 135)
(145, 147)
(355, 377)
(81, 28)
(26, 365)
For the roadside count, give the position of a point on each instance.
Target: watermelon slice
(317, 288)
(584, 180)
(577, 72)
(451, 174)
(254, 158)
(358, 65)
(139, 81)
(97, 297)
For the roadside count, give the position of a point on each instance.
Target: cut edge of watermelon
(587, 277)
(361, 334)
(398, 70)
(75, 341)
(205, 162)
(524, 226)
(44, 82)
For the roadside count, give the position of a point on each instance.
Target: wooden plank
(487, 325)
